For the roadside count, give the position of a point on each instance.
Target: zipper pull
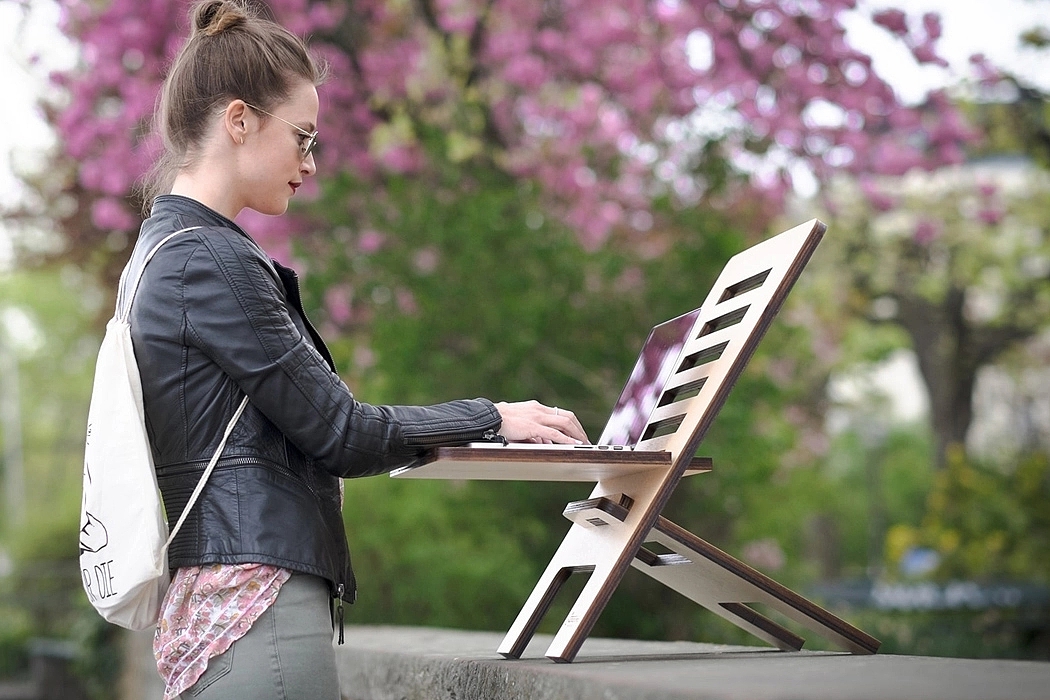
(493, 436)
(339, 609)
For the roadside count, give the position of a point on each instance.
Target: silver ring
(557, 410)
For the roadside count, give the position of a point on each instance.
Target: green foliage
(434, 553)
(986, 522)
(54, 343)
(15, 630)
(907, 474)
(50, 329)
(100, 658)
(476, 292)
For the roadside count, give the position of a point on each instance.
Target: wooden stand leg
(578, 554)
(696, 569)
(534, 610)
(584, 614)
(723, 585)
(598, 542)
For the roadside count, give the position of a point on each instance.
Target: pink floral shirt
(206, 610)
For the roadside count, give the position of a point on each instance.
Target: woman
(261, 564)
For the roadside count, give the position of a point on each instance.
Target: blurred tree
(959, 260)
(602, 106)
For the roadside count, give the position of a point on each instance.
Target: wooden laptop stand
(622, 514)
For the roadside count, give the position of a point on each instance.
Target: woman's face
(274, 167)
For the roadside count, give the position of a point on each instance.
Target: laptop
(656, 362)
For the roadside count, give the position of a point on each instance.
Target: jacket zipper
(242, 461)
(190, 466)
(489, 435)
(339, 591)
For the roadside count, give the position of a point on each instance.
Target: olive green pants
(286, 655)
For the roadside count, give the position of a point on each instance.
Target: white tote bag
(123, 534)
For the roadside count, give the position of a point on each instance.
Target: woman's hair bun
(216, 16)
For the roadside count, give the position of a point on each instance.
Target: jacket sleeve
(236, 313)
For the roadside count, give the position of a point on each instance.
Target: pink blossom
(370, 241)
(987, 74)
(931, 22)
(630, 280)
(927, 231)
(611, 213)
(506, 44)
(273, 233)
(426, 260)
(879, 200)
(991, 216)
(581, 90)
(949, 153)
(526, 71)
(547, 40)
(925, 53)
(406, 302)
(401, 159)
(894, 158)
(110, 214)
(337, 302)
(893, 20)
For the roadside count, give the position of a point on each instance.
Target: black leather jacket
(215, 319)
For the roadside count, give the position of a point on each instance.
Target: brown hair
(232, 53)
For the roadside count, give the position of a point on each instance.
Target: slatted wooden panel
(736, 314)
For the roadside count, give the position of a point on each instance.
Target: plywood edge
(510, 464)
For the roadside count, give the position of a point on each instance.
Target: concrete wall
(413, 663)
(419, 663)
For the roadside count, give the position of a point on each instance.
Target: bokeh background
(510, 194)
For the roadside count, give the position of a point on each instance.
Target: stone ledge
(419, 663)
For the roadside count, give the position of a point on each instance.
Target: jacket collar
(190, 210)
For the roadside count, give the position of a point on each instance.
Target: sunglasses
(305, 147)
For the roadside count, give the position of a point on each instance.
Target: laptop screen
(656, 362)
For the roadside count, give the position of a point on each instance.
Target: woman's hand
(531, 421)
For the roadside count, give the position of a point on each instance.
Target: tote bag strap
(207, 472)
(126, 296)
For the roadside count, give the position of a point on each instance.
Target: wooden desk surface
(512, 463)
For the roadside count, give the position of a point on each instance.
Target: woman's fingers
(568, 424)
(531, 421)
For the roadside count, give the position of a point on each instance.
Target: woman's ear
(236, 120)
